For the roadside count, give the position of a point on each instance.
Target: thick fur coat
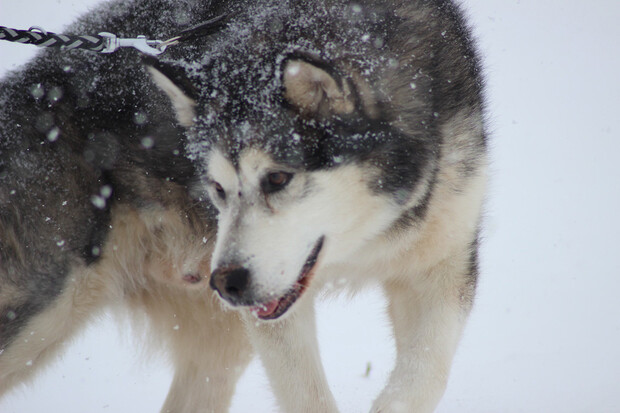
(302, 143)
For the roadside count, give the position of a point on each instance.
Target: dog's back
(68, 126)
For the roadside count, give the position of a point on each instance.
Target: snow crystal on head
(238, 71)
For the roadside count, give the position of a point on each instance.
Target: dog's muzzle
(232, 284)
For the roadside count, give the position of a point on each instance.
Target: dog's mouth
(275, 308)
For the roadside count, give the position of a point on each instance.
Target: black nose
(231, 283)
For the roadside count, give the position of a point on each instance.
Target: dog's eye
(219, 190)
(276, 181)
(278, 178)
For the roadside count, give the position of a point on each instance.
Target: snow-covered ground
(545, 332)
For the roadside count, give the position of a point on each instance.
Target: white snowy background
(544, 335)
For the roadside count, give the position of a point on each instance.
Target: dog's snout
(237, 281)
(231, 283)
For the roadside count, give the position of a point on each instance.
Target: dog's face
(278, 226)
(305, 161)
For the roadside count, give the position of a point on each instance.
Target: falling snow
(547, 275)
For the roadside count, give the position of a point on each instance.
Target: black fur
(238, 74)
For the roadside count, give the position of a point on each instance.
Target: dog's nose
(231, 283)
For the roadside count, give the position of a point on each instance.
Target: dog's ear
(173, 82)
(314, 92)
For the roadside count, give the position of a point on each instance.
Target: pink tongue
(266, 309)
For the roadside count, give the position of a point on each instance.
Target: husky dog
(339, 140)
(324, 140)
(95, 211)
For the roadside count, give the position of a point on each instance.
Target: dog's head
(300, 152)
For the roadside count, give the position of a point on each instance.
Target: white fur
(424, 268)
(183, 105)
(273, 236)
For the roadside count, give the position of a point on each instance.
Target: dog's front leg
(209, 350)
(427, 319)
(289, 352)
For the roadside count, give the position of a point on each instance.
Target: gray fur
(73, 126)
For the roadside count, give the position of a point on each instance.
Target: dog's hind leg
(289, 351)
(44, 334)
(427, 319)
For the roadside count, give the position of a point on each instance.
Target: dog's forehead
(254, 160)
(276, 133)
(249, 165)
(220, 168)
